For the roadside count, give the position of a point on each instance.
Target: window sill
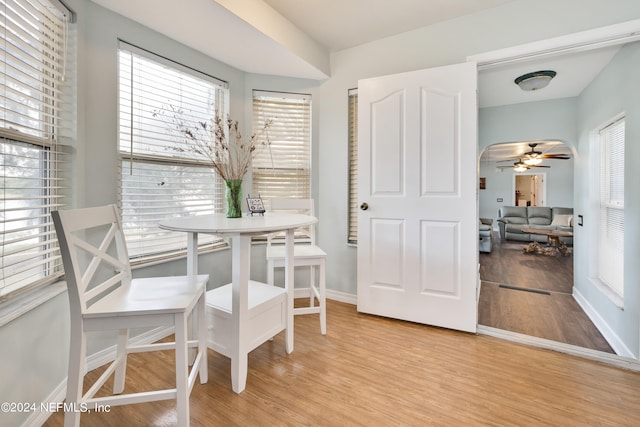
(16, 307)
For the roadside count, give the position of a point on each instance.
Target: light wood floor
(371, 371)
(531, 294)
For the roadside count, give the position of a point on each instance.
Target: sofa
(511, 220)
(485, 228)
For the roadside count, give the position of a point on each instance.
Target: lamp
(536, 80)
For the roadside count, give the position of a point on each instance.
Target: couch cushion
(563, 220)
(539, 215)
(513, 214)
(561, 211)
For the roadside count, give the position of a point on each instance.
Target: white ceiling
(574, 72)
(271, 31)
(293, 38)
(265, 29)
(341, 24)
(514, 151)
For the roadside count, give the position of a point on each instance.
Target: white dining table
(240, 231)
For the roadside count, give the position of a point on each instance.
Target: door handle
(364, 206)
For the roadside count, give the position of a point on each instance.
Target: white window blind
(353, 166)
(611, 245)
(160, 177)
(34, 112)
(283, 169)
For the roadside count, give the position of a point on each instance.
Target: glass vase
(233, 194)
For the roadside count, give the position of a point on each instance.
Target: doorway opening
(529, 189)
(529, 293)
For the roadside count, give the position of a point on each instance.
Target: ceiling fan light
(532, 161)
(535, 81)
(520, 168)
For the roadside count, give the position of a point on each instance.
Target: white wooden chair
(305, 255)
(103, 296)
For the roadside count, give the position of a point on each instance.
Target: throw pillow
(564, 220)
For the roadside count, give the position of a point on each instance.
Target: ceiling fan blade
(535, 166)
(556, 156)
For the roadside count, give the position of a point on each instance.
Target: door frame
(538, 186)
(612, 35)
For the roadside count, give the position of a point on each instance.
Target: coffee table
(553, 238)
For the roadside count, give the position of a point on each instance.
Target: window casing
(352, 236)
(611, 234)
(159, 178)
(282, 169)
(35, 120)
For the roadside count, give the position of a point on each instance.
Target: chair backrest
(297, 205)
(94, 254)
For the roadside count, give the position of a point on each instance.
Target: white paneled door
(417, 179)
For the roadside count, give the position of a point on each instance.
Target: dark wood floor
(372, 371)
(531, 294)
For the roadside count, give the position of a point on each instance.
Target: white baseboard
(599, 356)
(94, 361)
(609, 334)
(342, 297)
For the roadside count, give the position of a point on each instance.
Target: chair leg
(75, 375)
(182, 370)
(312, 285)
(323, 299)
(121, 360)
(202, 340)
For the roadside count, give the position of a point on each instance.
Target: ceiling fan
(521, 166)
(534, 157)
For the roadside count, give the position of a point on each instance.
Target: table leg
(240, 264)
(192, 254)
(289, 286)
(192, 270)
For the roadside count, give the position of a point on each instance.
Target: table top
(547, 232)
(221, 225)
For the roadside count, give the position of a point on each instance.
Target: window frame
(611, 204)
(277, 160)
(352, 137)
(35, 131)
(157, 154)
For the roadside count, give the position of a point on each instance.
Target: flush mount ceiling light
(536, 80)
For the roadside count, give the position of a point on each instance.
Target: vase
(233, 194)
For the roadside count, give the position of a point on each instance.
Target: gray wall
(37, 342)
(616, 90)
(542, 120)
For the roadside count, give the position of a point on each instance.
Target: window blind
(611, 245)
(161, 176)
(353, 166)
(34, 112)
(283, 169)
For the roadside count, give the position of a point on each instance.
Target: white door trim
(611, 35)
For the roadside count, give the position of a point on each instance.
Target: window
(611, 235)
(284, 168)
(34, 121)
(353, 167)
(160, 179)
